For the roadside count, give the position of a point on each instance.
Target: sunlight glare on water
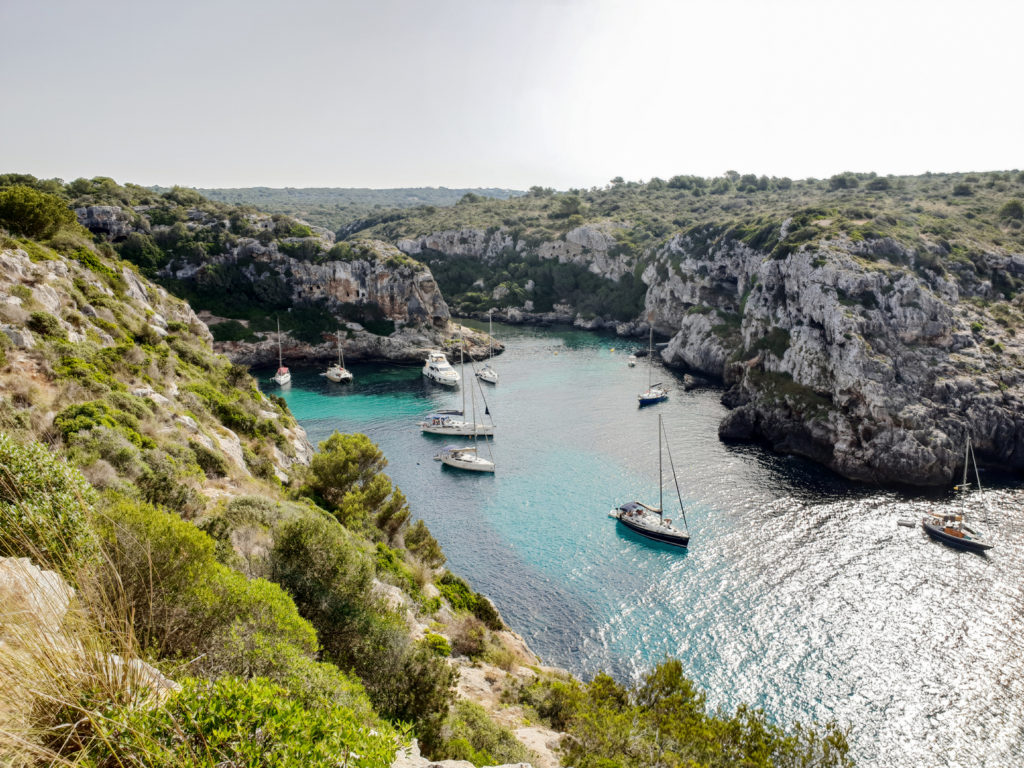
(799, 593)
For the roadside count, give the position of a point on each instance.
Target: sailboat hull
(665, 537)
(963, 541)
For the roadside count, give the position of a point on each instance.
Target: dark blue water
(799, 592)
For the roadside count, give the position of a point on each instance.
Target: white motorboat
(338, 373)
(283, 375)
(436, 368)
(486, 373)
(464, 458)
(651, 522)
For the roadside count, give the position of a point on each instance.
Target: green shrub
(330, 581)
(212, 463)
(462, 598)
(184, 603)
(438, 644)
(97, 413)
(26, 211)
(422, 544)
(46, 325)
(488, 743)
(45, 507)
(232, 330)
(243, 723)
(346, 477)
(1013, 210)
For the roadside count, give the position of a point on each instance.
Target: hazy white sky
(464, 93)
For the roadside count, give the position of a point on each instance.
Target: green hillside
(338, 207)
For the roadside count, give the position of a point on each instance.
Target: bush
(438, 644)
(345, 476)
(26, 211)
(45, 507)
(184, 603)
(1013, 210)
(462, 598)
(46, 325)
(330, 581)
(231, 330)
(471, 735)
(212, 463)
(243, 723)
(422, 544)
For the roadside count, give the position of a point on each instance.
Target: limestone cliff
(851, 353)
(264, 268)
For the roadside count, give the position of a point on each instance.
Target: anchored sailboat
(283, 375)
(467, 457)
(655, 393)
(337, 372)
(651, 522)
(486, 373)
(950, 528)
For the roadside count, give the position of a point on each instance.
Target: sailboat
(655, 393)
(337, 372)
(467, 457)
(283, 375)
(486, 373)
(454, 422)
(950, 528)
(651, 521)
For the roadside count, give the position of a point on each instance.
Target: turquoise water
(799, 592)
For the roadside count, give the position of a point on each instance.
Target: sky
(484, 93)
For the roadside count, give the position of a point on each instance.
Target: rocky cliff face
(593, 247)
(850, 353)
(374, 275)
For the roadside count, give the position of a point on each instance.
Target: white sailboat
(486, 373)
(467, 457)
(655, 393)
(454, 422)
(651, 522)
(338, 372)
(283, 375)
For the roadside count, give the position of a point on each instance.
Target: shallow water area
(799, 592)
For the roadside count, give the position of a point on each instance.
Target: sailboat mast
(462, 366)
(661, 489)
(280, 360)
(967, 451)
(490, 333)
(650, 362)
(472, 402)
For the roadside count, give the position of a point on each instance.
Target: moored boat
(337, 372)
(949, 527)
(464, 458)
(436, 368)
(283, 375)
(649, 521)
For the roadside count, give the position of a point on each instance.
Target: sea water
(799, 592)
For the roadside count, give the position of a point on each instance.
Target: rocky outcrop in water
(850, 353)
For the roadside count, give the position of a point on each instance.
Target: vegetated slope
(302, 614)
(869, 323)
(252, 270)
(336, 207)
